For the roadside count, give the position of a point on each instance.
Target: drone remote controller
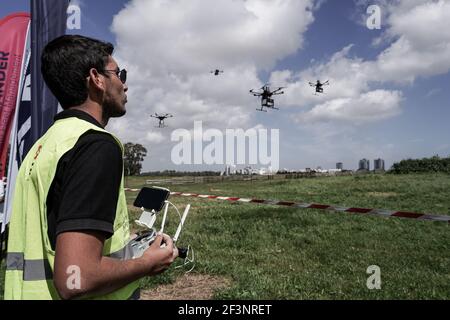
(145, 239)
(142, 242)
(155, 199)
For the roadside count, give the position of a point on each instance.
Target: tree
(425, 165)
(133, 156)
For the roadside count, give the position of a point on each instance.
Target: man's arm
(100, 275)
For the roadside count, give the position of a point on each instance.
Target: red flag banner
(13, 30)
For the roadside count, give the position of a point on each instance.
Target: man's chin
(114, 110)
(119, 113)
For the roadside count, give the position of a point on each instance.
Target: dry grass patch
(383, 194)
(188, 287)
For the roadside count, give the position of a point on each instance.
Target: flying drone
(161, 119)
(319, 86)
(266, 97)
(216, 72)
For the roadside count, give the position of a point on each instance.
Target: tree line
(134, 156)
(424, 165)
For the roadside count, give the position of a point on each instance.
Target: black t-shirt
(85, 189)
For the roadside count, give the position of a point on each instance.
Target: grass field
(271, 252)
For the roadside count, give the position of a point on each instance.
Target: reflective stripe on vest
(40, 269)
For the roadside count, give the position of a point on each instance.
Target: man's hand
(160, 255)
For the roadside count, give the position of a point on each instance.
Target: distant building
(378, 165)
(364, 164)
(340, 166)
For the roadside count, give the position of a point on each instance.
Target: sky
(389, 88)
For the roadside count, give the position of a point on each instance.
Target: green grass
(285, 253)
(281, 253)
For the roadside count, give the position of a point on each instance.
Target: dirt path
(188, 287)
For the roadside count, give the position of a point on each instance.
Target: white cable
(187, 260)
(177, 233)
(193, 259)
(175, 208)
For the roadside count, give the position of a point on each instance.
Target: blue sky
(397, 107)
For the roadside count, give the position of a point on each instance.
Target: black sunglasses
(122, 74)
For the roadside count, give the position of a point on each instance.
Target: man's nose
(125, 87)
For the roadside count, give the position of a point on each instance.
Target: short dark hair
(65, 65)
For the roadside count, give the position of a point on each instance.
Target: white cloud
(367, 107)
(170, 47)
(418, 48)
(186, 37)
(154, 137)
(421, 41)
(349, 77)
(416, 36)
(417, 45)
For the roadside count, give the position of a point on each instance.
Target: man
(69, 227)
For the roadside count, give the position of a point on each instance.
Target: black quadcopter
(216, 72)
(161, 119)
(319, 86)
(266, 97)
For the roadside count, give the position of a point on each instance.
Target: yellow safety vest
(30, 258)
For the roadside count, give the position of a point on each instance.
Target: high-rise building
(364, 164)
(340, 166)
(378, 164)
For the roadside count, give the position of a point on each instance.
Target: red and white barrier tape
(378, 212)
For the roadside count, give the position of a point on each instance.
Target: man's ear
(97, 80)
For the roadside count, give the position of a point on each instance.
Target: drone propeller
(256, 94)
(280, 88)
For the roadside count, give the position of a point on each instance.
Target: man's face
(115, 97)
